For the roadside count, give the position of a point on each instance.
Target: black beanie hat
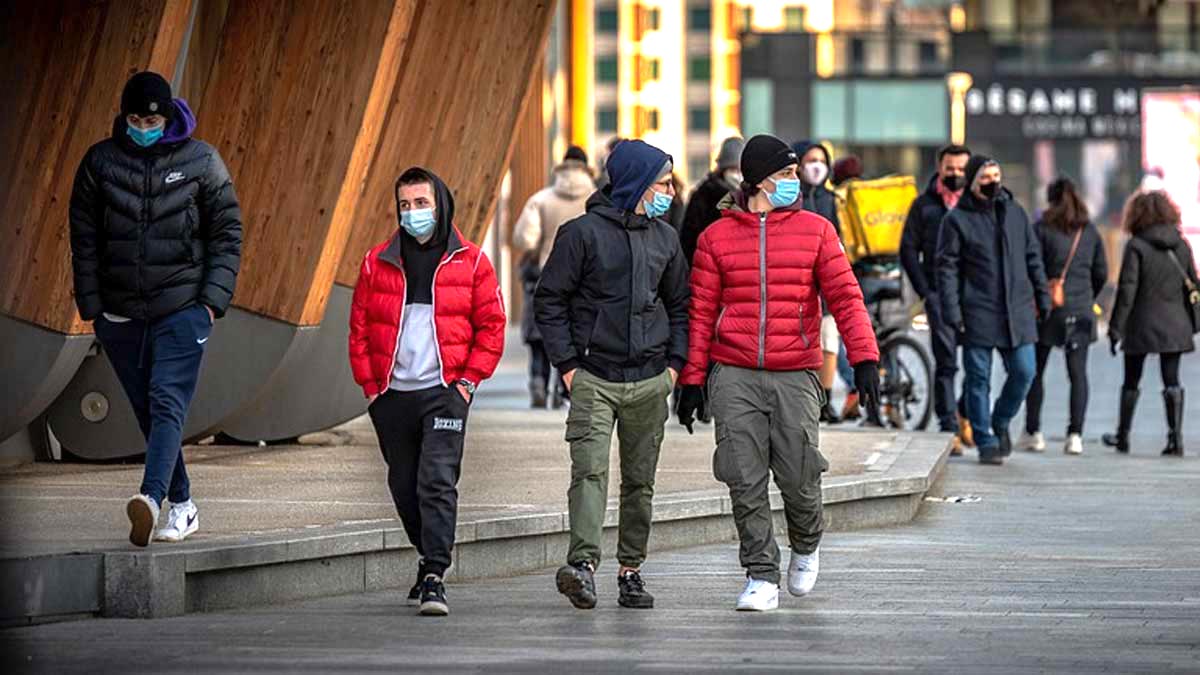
(764, 155)
(576, 153)
(145, 94)
(974, 166)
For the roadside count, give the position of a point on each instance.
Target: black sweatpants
(421, 436)
(943, 338)
(1077, 355)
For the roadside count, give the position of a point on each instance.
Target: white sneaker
(802, 572)
(143, 515)
(758, 596)
(1074, 445)
(1034, 442)
(182, 522)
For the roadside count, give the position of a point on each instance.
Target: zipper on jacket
(762, 289)
(803, 334)
(399, 330)
(143, 227)
(437, 344)
(720, 319)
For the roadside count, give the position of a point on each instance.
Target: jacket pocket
(720, 320)
(579, 416)
(803, 334)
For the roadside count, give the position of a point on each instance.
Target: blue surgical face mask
(418, 222)
(659, 206)
(786, 191)
(145, 137)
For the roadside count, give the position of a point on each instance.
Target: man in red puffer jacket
(759, 276)
(426, 327)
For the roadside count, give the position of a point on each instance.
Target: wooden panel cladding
(62, 67)
(461, 89)
(528, 173)
(284, 104)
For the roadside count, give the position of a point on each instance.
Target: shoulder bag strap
(1187, 278)
(1071, 255)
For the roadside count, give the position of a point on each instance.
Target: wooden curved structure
(315, 107)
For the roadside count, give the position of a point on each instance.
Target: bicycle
(905, 364)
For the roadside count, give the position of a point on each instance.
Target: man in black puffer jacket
(156, 237)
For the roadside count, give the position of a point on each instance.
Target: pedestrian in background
(1156, 310)
(1073, 254)
(702, 209)
(612, 309)
(426, 328)
(918, 254)
(156, 241)
(533, 237)
(675, 214)
(992, 287)
(813, 171)
(761, 273)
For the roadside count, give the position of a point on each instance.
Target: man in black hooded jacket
(612, 308)
(992, 286)
(156, 236)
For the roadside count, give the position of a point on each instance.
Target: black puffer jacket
(1075, 320)
(154, 230)
(1150, 315)
(989, 273)
(918, 244)
(613, 296)
(702, 211)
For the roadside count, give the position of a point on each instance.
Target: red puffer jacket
(468, 312)
(757, 284)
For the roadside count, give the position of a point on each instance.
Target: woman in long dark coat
(1072, 252)
(1152, 314)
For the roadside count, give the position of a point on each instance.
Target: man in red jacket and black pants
(426, 327)
(759, 276)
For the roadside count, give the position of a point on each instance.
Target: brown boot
(964, 432)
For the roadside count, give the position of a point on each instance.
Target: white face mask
(815, 172)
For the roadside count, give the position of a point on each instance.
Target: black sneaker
(433, 596)
(1005, 443)
(414, 593)
(576, 581)
(633, 591)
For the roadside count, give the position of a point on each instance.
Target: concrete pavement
(1066, 564)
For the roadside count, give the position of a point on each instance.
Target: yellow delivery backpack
(872, 214)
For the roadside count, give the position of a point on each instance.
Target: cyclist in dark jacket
(993, 289)
(156, 235)
(1152, 314)
(918, 250)
(1064, 233)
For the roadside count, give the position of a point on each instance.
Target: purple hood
(182, 123)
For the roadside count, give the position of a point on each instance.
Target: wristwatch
(468, 385)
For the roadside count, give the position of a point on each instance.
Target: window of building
(794, 18)
(607, 20)
(646, 120)
(606, 69)
(858, 55)
(700, 69)
(606, 119)
(699, 19)
(927, 54)
(699, 119)
(652, 120)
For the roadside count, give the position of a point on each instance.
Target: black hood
(443, 230)
(801, 147)
(931, 187)
(1161, 236)
(601, 204)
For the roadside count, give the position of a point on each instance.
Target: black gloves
(866, 381)
(691, 401)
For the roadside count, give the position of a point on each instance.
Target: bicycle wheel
(907, 381)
